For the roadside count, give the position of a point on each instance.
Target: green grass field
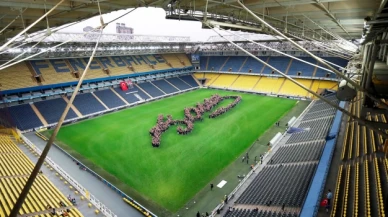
(170, 175)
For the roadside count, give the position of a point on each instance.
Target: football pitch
(119, 143)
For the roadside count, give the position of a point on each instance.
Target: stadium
(280, 112)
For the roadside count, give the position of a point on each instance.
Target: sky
(148, 21)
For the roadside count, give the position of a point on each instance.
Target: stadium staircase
(284, 178)
(15, 168)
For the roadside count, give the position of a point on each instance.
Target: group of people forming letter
(191, 115)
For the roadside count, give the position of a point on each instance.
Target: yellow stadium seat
(245, 82)
(224, 80)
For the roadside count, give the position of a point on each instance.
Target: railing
(221, 205)
(100, 206)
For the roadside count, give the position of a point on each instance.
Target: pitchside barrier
(231, 195)
(92, 115)
(93, 200)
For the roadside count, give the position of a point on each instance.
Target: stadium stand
(52, 110)
(271, 186)
(178, 83)
(263, 84)
(109, 98)
(129, 96)
(305, 151)
(87, 104)
(203, 62)
(337, 61)
(252, 65)
(216, 63)
(61, 71)
(17, 76)
(224, 80)
(24, 117)
(302, 68)
(252, 213)
(183, 59)
(289, 88)
(280, 63)
(285, 179)
(361, 184)
(188, 79)
(269, 85)
(233, 64)
(151, 89)
(245, 82)
(15, 168)
(165, 86)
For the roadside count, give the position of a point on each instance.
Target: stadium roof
(342, 17)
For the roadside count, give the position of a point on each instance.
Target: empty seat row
(302, 152)
(258, 213)
(319, 114)
(313, 130)
(279, 184)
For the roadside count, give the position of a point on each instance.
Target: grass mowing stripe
(174, 173)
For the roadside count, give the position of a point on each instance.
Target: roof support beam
(319, 3)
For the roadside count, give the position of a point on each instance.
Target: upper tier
(284, 64)
(57, 71)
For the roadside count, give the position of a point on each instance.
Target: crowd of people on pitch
(208, 104)
(222, 110)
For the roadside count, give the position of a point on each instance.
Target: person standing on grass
(198, 214)
(329, 195)
(211, 187)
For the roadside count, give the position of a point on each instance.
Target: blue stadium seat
(178, 83)
(280, 63)
(216, 62)
(109, 98)
(203, 62)
(151, 89)
(52, 110)
(129, 95)
(87, 104)
(190, 80)
(234, 63)
(336, 60)
(166, 87)
(254, 65)
(303, 68)
(24, 117)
